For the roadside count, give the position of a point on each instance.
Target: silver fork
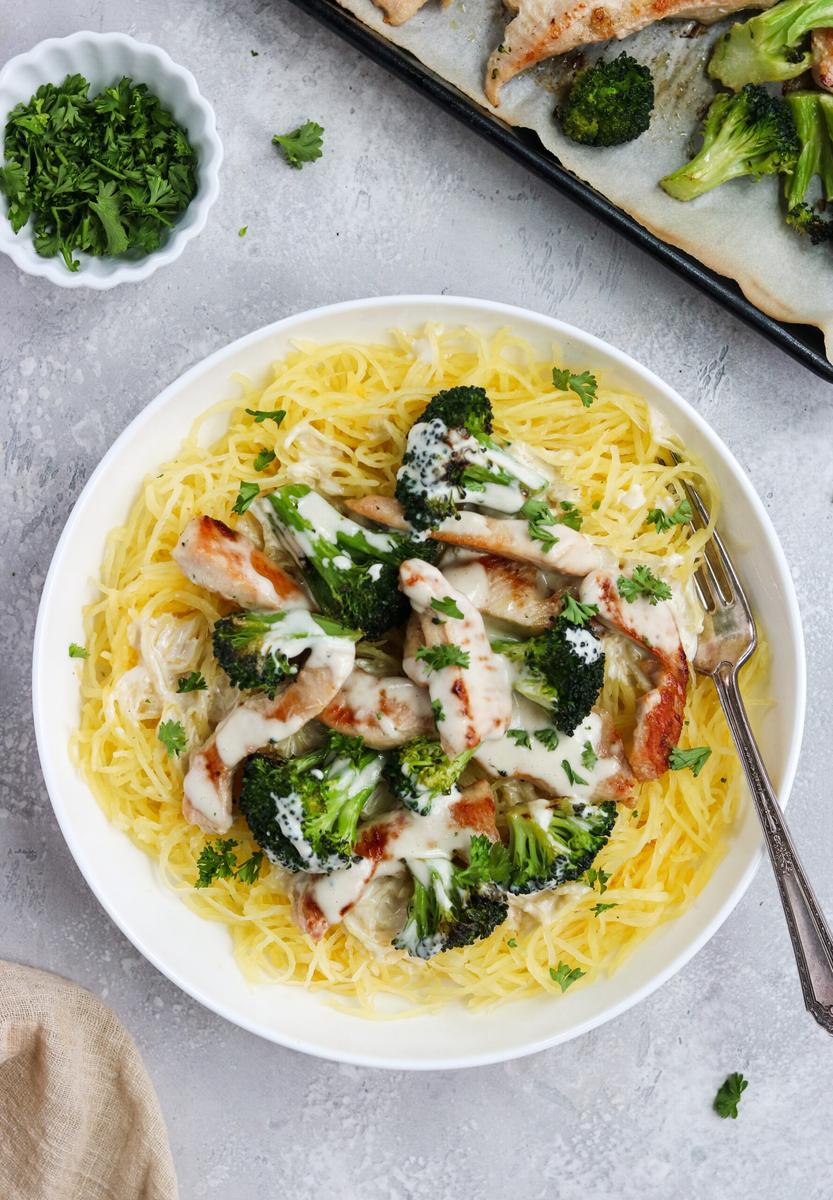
(728, 640)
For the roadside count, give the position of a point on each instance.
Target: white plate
(196, 954)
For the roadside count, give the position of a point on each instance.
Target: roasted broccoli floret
(304, 811)
(768, 48)
(553, 842)
(609, 103)
(420, 771)
(352, 572)
(561, 669)
(812, 113)
(451, 906)
(751, 133)
(451, 459)
(259, 650)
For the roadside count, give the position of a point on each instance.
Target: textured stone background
(405, 201)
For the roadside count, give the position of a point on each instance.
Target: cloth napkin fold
(79, 1119)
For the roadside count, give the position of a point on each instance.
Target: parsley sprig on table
(728, 1095)
(303, 145)
(107, 174)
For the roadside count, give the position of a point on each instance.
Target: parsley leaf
(263, 459)
(643, 582)
(448, 607)
(301, 146)
(572, 778)
(172, 736)
(594, 875)
(249, 870)
(583, 385)
(520, 737)
(243, 230)
(437, 711)
(192, 682)
(260, 416)
(589, 758)
(76, 651)
(728, 1095)
(570, 515)
(695, 759)
(547, 737)
(437, 657)
(216, 861)
(576, 612)
(600, 908)
(538, 515)
(512, 943)
(564, 977)
(245, 496)
(681, 515)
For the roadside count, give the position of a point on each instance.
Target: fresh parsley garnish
(512, 943)
(584, 385)
(249, 870)
(594, 875)
(243, 230)
(172, 736)
(217, 860)
(728, 1095)
(437, 711)
(520, 737)
(448, 607)
(575, 612)
(547, 737)
(572, 778)
(681, 515)
(260, 415)
(192, 682)
(564, 977)
(643, 582)
(589, 758)
(301, 146)
(437, 657)
(76, 651)
(694, 759)
(245, 496)
(570, 515)
(263, 459)
(539, 516)
(105, 174)
(600, 908)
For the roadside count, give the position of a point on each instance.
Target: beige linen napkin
(79, 1119)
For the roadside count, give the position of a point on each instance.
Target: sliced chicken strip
(385, 710)
(398, 11)
(506, 590)
(507, 537)
(320, 901)
(208, 783)
(660, 712)
(475, 700)
(543, 29)
(821, 43)
(415, 668)
(227, 562)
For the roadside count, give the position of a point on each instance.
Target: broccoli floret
(609, 103)
(767, 48)
(561, 669)
(450, 906)
(259, 650)
(748, 134)
(805, 220)
(420, 771)
(553, 842)
(812, 113)
(451, 459)
(304, 812)
(352, 572)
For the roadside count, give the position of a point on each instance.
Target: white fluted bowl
(103, 58)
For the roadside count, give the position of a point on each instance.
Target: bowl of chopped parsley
(110, 160)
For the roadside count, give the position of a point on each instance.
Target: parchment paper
(738, 229)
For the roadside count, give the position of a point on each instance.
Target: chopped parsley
(512, 943)
(728, 1095)
(694, 759)
(448, 607)
(570, 515)
(76, 651)
(520, 737)
(599, 908)
(192, 682)
(437, 711)
(594, 875)
(245, 496)
(437, 657)
(681, 515)
(547, 737)
(217, 860)
(243, 230)
(589, 757)
(643, 582)
(584, 385)
(572, 778)
(575, 612)
(260, 416)
(301, 146)
(564, 977)
(172, 736)
(249, 870)
(538, 516)
(263, 459)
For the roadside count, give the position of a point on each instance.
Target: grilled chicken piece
(507, 537)
(545, 28)
(660, 712)
(227, 562)
(386, 711)
(507, 591)
(821, 42)
(397, 12)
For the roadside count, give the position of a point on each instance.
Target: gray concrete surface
(404, 200)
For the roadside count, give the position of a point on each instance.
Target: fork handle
(809, 933)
